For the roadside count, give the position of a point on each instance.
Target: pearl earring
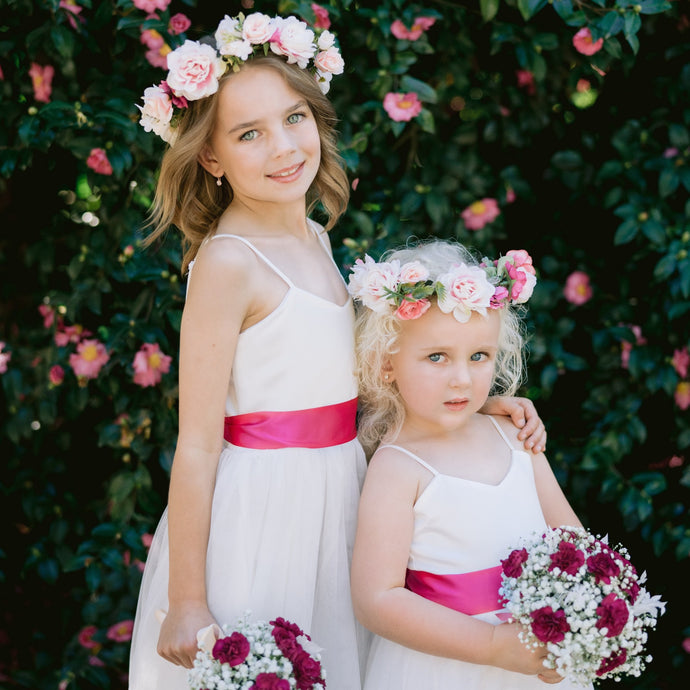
(385, 377)
(219, 182)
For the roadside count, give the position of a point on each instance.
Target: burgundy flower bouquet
(256, 656)
(583, 600)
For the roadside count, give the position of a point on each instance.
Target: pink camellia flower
(510, 195)
(420, 25)
(525, 80)
(402, 107)
(89, 359)
(512, 566)
(322, 19)
(42, 80)
(48, 314)
(613, 615)
(577, 288)
(626, 347)
(151, 39)
(151, 5)
(95, 661)
(549, 625)
(85, 637)
(158, 57)
(147, 540)
(466, 289)
(194, 70)
(70, 334)
(178, 24)
(150, 364)
(56, 375)
(232, 650)
(682, 395)
(5, 357)
(412, 310)
(480, 213)
(73, 11)
(98, 162)
(584, 44)
(686, 644)
(355, 184)
(681, 362)
(121, 632)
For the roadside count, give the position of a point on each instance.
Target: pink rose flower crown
(195, 68)
(406, 289)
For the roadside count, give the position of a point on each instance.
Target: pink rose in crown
(258, 28)
(569, 559)
(329, 61)
(194, 70)
(412, 310)
(413, 272)
(512, 566)
(295, 40)
(613, 615)
(370, 282)
(549, 625)
(178, 24)
(465, 289)
(232, 650)
(603, 567)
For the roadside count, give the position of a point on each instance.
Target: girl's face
(444, 369)
(265, 141)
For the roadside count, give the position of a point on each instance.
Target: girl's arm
(210, 326)
(381, 601)
(524, 415)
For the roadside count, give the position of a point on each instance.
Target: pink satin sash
(318, 427)
(470, 593)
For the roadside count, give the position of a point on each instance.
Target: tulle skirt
(282, 531)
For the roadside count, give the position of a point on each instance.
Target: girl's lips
(456, 404)
(287, 174)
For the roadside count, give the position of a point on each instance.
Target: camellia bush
(560, 127)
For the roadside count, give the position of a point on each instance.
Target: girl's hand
(177, 641)
(524, 415)
(508, 652)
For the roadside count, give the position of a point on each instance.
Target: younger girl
(448, 491)
(267, 470)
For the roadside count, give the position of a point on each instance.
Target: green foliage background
(601, 179)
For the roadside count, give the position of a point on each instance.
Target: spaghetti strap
(413, 456)
(500, 431)
(264, 258)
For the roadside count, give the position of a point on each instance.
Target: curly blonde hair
(188, 197)
(381, 409)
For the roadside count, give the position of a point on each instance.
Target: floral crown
(405, 289)
(194, 69)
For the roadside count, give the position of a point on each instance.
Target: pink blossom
(675, 461)
(681, 362)
(151, 39)
(48, 314)
(412, 310)
(178, 24)
(465, 289)
(682, 395)
(420, 25)
(355, 184)
(85, 637)
(413, 272)
(577, 288)
(194, 70)
(121, 632)
(5, 357)
(150, 364)
(89, 359)
(98, 162)
(56, 375)
(686, 644)
(671, 152)
(73, 11)
(158, 57)
(147, 540)
(95, 661)
(525, 80)
(322, 20)
(151, 5)
(370, 282)
(583, 85)
(2, 74)
(584, 44)
(480, 213)
(402, 107)
(510, 195)
(626, 347)
(295, 40)
(329, 61)
(41, 80)
(69, 334)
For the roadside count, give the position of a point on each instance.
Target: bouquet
(256, 656)
(583, 600)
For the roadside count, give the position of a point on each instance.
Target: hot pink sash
(470, 593)
(318, 427)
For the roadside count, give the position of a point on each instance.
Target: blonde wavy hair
(188, 197)
(381, 409)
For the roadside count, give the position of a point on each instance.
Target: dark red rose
(568, 558)
(613, 615)
(287, 625)
(512, 566)
(613, 661)
(549, 625)
(307, 670)
(270, 681)
(231, 650)
(603, 567)
(286, 641)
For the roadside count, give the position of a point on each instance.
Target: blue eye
(436, 357)
(294, 118)
(250, 135)
(478, 356)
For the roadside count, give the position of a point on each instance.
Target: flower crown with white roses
(194, 69)
(405, 289)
